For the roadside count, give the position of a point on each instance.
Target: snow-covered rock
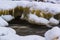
(29, 37)
(6, 31)
(7, 17)
(3, 22)
(49, 7)
(41, 6)
(53, 21)
(11, 37)
(7, 5)
(5, 0)
(25, 0)
(23, 3)
(53, 1)
(34, 37)
(53, 34)
(38, 20)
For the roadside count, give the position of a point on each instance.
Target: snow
(17, 37)
(10, 37)
(25, 0)
(53, 1)
(53, 34)
(5, 0)
(3, 22)
(35, 19)
(23, 3)
(6, 31)
(7, 17)
(6, 5)
(53, 21)
(42, 6)
(34, 37)
(48, 7)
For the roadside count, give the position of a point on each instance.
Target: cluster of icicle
(40, 13)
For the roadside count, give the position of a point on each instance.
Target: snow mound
(7, 17)
(53, 21)
(53, 34)
(6, 5)
(5, 0)
(34, 37)
(3, 22)
(53, 1)
(14, 37)
(38, 20)
(48, 7)
(6, 31)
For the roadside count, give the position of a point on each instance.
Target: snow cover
(45, 7)
(32, 18)
(36, 19)
(11, 37)
(7, 33)
(17, 37)
(49, 7)
(53, 21)
(23, 3)
(24, 0)
(34, 37)
(5, 0)
(3, 22)
(6, 5)
(53, 34)
(7, 17)
(53, 1)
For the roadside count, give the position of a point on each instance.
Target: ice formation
(53, 34)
